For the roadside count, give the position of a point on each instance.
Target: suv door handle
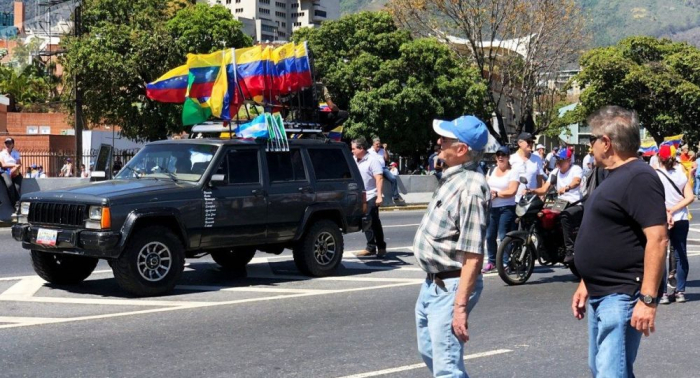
(257, 192)
(306, 189)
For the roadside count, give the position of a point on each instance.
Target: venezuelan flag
(171, 87)
(649, 148)
(336, 134)
(674, 140)
(303, 68)
(250, 70)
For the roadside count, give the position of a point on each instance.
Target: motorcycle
(539, 237)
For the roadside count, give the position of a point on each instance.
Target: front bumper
(93, 243)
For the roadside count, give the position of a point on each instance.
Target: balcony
(319, 15)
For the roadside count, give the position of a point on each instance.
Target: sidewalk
(414, 201)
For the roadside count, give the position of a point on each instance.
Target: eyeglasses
(594, 138)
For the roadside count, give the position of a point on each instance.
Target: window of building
(280, 5)
(329, 164)
(238, 1)
(267, 37)
(282, 34)
(320, 13)
(281, 14)
(228, 2)
(284, 24)
(265, 2)
(239, 10)
(297, 24)
(264, 11)
(295, 6)
(268, 28)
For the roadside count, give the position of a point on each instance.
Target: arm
(644, 315)
(578, 302)
(574, 184)
(380, 180)
(467, 282)
(386, 153)
(688, 198)
(542, 189)
(510, 192)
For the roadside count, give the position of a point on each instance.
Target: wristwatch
(648, 299)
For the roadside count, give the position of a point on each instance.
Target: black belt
(439, 277)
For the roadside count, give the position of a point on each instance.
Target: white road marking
(27, 320)
(210, 304)
(248, 289)
(24, 288)
(422, 365)
(694, 229)
(401, 225)
(104, 301)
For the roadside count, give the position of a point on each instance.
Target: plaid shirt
(455, 222)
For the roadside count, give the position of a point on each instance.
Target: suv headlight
(24, 208)
(95, 213)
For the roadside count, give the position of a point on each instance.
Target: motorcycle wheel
(512, 269)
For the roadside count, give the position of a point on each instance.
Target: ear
(462, 149)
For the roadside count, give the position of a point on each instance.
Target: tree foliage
(517, 44)
(657, 78)
(29, 89)
(392, 85)
(128, 43)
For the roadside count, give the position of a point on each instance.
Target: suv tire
(62, 269)
(233, 258)
(320, 250)
(152, 262)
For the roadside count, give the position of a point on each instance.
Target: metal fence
(52, 162)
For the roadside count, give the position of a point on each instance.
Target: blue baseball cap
(503, 150)
(466, 129)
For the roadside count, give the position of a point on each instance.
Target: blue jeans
(440, 349)
(696, 189)
(393, 181)
(679, 239)
(501, 221)
(612, 342)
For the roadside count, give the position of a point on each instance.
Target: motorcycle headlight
(520, 211)
(24, 208)
(95, 213)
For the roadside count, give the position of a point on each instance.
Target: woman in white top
(503, 182)
(679, 195)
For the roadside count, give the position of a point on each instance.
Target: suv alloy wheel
(320, 250)
(152, 262)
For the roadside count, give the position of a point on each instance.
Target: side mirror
(217, 180)
(523, 180)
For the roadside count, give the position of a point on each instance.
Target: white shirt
(588, 159)
(498, 184)
(394, 171)
(379, 155)
(369, 167)
(654, 162)
(565, 179)
(526, 168)
(551, 163)
(672, 196)
(9, 158)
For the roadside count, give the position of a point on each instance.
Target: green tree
(392, 85)
(657, 78)
(26, 88)
(128, 43)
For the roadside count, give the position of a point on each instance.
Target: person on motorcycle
(567, 180)
(527, 164)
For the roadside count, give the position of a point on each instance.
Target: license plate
(46, 237)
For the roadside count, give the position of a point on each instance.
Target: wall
(17, 122)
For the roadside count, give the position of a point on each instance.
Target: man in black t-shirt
(620, 248)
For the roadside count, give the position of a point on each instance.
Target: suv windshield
(186, 162)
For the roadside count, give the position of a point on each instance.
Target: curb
(422, 206)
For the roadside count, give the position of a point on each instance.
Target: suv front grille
(57, 213)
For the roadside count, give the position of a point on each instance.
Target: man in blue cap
(449, 247)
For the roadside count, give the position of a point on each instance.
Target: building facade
(275, 20)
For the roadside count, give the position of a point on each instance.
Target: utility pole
(78, 97)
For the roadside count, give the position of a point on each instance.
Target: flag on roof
(257, 128)
(336, 134)
(171, 87)
(207, 86)
(303, 68)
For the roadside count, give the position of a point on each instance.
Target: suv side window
(329, 164)
(241, 166)
(286, 166)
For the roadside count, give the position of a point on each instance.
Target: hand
(385, 145)
(378, 202)
(561, 191)
(460, 326)
(643, 317)
(669, 219)
(578, 302)
(493, 194)
(524, 192)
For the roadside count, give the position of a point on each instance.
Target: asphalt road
(275, 323)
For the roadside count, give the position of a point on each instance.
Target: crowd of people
(625, 209)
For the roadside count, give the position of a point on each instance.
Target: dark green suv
(180, 199)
